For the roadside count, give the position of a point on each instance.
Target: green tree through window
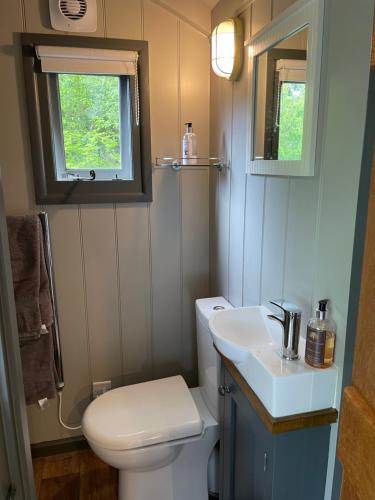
(291, 115)
(90, 113)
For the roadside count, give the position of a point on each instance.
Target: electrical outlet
(99, 388)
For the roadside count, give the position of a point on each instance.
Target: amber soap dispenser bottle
(320, 338)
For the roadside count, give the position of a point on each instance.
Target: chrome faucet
(290, 320)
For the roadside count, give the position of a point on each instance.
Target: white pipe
(70, 428)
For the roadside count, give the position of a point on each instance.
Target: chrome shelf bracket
(177, 164)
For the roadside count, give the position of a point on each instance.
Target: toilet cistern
(290, 320)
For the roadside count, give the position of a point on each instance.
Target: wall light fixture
(227, 48)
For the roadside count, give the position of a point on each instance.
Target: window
(91, 128)
(290, 122)
(95, 127)
(89, 119)
(285, 104)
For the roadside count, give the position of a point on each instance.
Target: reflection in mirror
(280, 100)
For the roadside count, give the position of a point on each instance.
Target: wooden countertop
(280, 424)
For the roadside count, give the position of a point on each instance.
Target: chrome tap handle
(286, 307)
(277, 303)
(275, 317)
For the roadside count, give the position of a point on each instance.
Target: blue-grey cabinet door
(246, 448)
(259, 465)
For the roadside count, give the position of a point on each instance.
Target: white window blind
(87, 61)
(291, 70)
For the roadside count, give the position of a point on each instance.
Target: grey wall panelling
(296, 236)
(126, 275)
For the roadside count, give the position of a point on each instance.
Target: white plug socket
(99, 388)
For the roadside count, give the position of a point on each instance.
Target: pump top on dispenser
(320, 338)
(189, 146)
(321, 312)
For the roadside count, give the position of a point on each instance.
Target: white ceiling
(210, 3)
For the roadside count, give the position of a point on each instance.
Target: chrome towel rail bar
(43, 216)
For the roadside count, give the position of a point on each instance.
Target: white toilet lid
(142, 414)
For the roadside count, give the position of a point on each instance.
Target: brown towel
(33, 306)
(38, 368)
(30, 279)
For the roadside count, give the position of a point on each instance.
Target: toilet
(161, 435)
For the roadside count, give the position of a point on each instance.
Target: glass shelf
(178, 163)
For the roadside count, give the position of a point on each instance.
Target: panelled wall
(275, 237)
(126, 275)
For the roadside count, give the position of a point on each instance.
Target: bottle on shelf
(189, 146)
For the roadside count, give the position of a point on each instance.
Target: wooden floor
(79, 475)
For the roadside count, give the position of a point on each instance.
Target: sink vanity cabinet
(266, 458)
(275, 413)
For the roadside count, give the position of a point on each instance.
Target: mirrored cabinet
(285, 60)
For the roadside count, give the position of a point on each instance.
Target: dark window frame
(271, 135)
(42, 110)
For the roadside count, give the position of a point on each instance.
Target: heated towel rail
(43, 216)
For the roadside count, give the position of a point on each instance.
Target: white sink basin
(252, 342)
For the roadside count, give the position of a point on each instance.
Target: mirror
(285, 63)
(280, 100)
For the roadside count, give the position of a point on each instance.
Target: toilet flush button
(218, 308)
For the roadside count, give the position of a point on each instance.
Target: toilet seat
(143, 414)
